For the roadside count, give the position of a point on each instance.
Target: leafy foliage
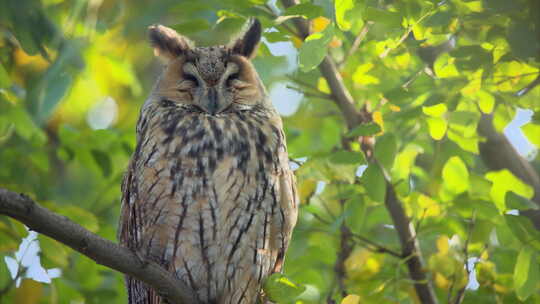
(74, 74)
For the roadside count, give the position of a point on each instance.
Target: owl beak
(212, 101)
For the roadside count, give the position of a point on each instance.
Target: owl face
(211, 80)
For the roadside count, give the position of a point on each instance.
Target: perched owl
(209, 194)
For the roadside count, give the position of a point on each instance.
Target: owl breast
(213, 198)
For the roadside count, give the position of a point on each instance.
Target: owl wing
(133, 220)
(288, 201)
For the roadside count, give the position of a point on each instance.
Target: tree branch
(343, 99)
(498, 153)
(22, 208)
(410, 247)
(345, 249)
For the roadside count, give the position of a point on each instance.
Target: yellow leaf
(373, 265)
(403, 60)
(335, 43)
(351, 299)
(431, 207)
(377, 118)
(474, 85)
(30, 292)
(500, 288)
(394, 108)
(362, 264)
(484, 255)
(36, 61)
(319, 24)
(360, 75)
(297, 42)
(437, 127)
(306, 189)
(442, 244)
(441, 281)
(322, 85)
(437, 110)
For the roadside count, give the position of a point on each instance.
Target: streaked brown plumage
(208, 193)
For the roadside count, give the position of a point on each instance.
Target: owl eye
(191, 78)
(231, 78)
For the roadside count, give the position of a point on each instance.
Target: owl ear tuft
(247, 44)
(167, 43)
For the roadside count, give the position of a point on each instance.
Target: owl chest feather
(212, 187)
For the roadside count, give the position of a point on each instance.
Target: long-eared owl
(209, 194)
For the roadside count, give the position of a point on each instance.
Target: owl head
(212, 80)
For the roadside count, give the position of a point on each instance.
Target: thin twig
(275, 15)
(356, 43)
(21, 270)
(420, 220)
(304, 84)
(529, 87)
(461, 293)
(345, 249)
(318, 217)
(508, 78)
(376, 247)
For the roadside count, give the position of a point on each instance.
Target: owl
(208, 193)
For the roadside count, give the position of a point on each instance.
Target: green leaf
(5, 80)
(314, 48)
(437, 127)
(479, 187)
(281, 289)
(522, 37)
(441, 18)
(374, 183)
(103, 160)
(341, 8)
(532, 131)
(405, 161)
(502, 116)
(444, 66)
(385, 150)
(486, 101)
(40, 159)
(437, 110)
(388, 18)
(276, 37)
(54, 254)
(25, 127)
(361, 76)
(514, 201)
(526, 273)
(355, 210)
(455, 175)
(523, 229)
(504, 181)
(366, 129)
(347, 157)
(307, 10)
(80, 216)
(463, 118)
(192, 26)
